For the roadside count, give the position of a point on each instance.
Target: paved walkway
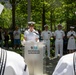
(50, 65)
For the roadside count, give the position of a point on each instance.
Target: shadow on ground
(50, 65)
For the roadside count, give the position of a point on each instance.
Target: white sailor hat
(71, 27)
(31, 23)
(46, 25)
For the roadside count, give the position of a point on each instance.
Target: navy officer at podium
(31, 34)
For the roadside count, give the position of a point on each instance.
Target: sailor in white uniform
(66, 65)
(71, 35)
(59, 35)
(46, 35)
(12, 63)
(31, 34)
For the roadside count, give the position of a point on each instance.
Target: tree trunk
(51, 20)
(43, 17)
(13, 14)
(29, 10)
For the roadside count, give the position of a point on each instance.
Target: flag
(1, 8)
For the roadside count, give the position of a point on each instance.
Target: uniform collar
(32, 31)
(46, 30)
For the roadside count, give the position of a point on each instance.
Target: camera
(71, 34)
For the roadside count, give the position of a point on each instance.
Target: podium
(33, 55)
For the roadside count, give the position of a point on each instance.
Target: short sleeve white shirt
(16, 34)
(71, 32)
(31, 36)
(46, 35)
(59, 34)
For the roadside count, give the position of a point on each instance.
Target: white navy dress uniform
(12, 63)
(71, 40)
(66, 65)
(46, 35)
(59, 34)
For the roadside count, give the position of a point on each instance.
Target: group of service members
(67, 63)
(32, 35)
(64, 65)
